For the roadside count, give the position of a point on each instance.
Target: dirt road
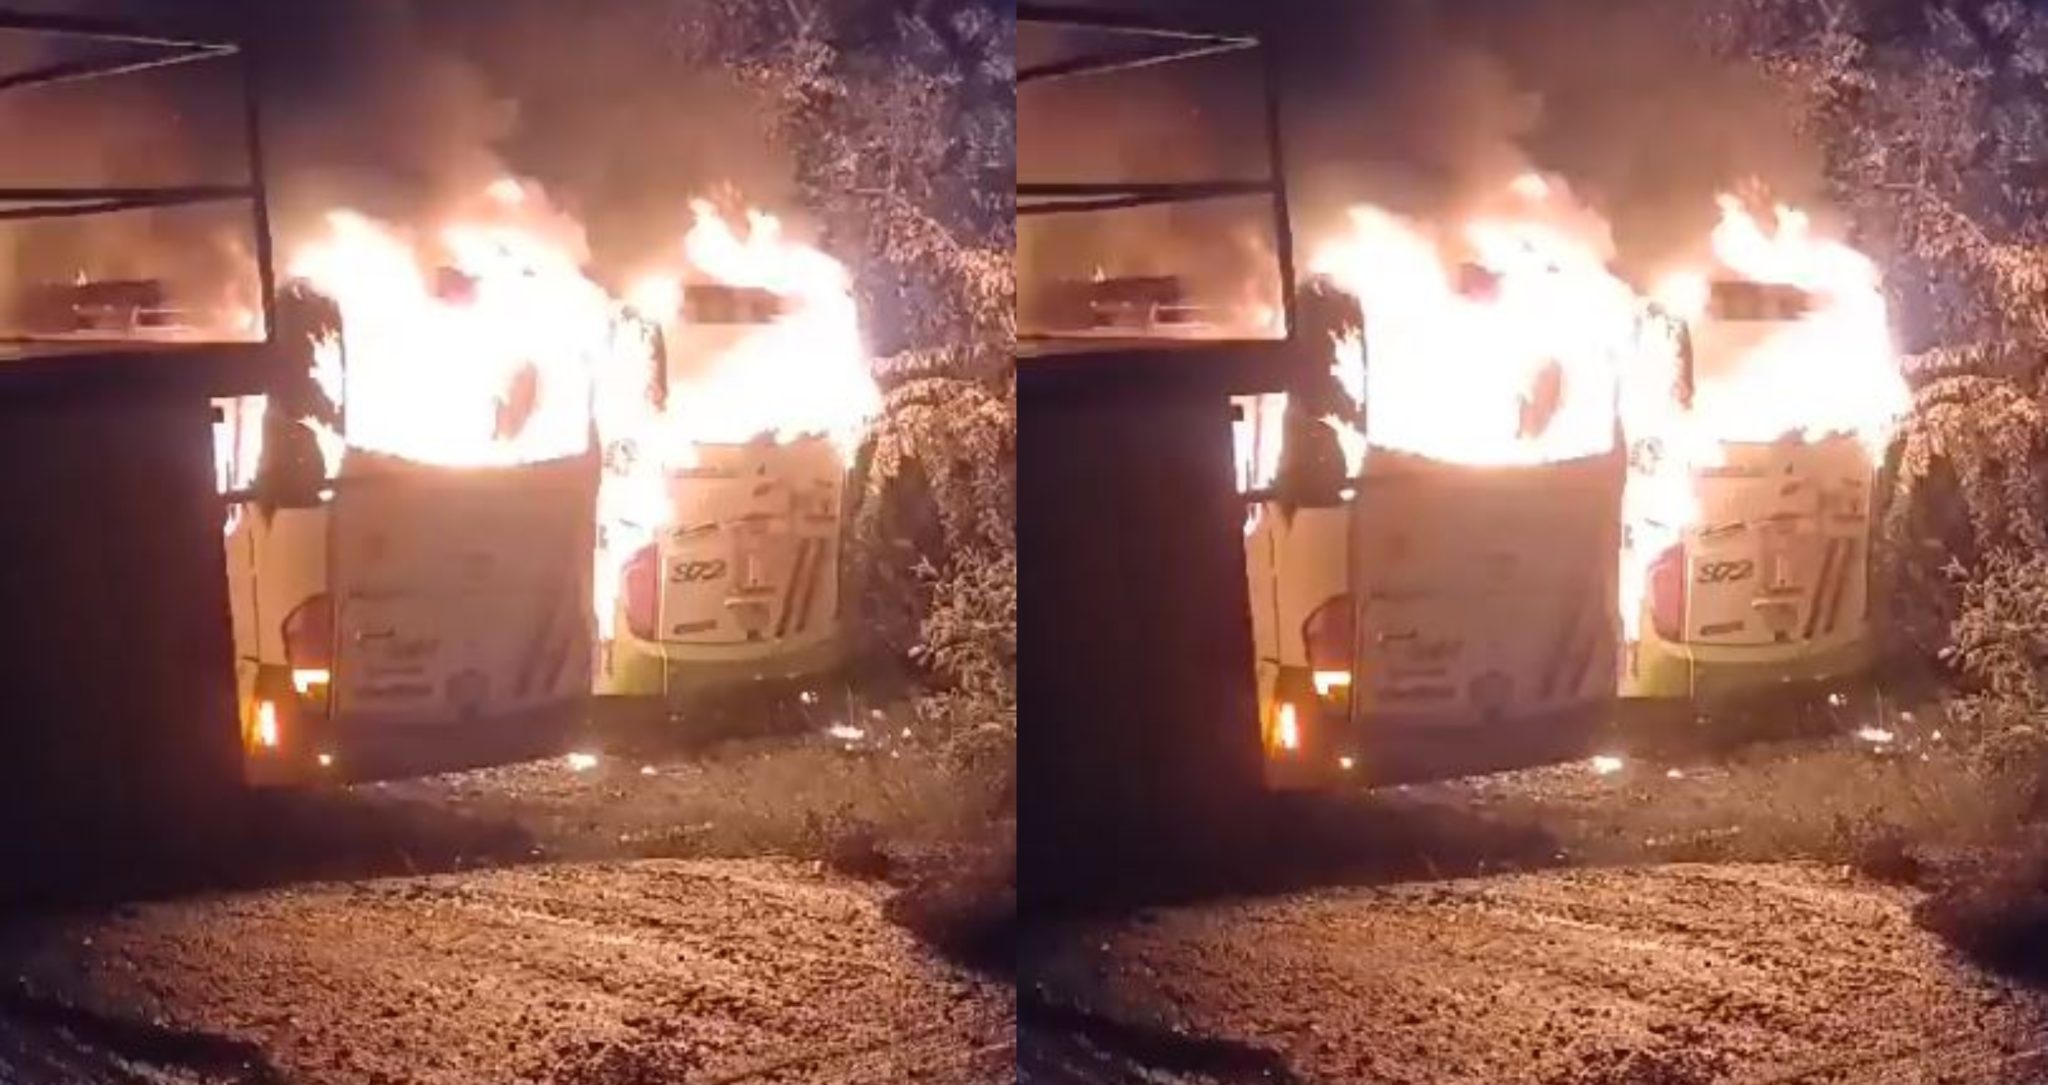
(670, 971)
(1671, 975)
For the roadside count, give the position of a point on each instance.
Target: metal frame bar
(1034, 198)
(1056, 198)
(1071, 17)
(77, 71)
(74, 26)
(29, 204)
(1124, 60)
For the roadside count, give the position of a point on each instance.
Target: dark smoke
(399, 109)
(1646, 124)
(1160, 124)
(1428, 107)
(621, 121)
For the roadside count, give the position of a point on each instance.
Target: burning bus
(411, 509)
(487, 477)
(723, 503)
(1484, 478)
(1748, 560)
(1671, 497)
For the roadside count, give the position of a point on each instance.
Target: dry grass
(798, 798)
(1833, 801)
(940, 828)
(1919, 811)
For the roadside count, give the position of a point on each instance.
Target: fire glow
(482, 341)
(1833, 371)
(1498, 342)
(1506, 339)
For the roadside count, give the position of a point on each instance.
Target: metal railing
(1159, 42)
(144, 51)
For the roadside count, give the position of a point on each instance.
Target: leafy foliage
(935, 544)
(1966, 493)
(902, 121)
(1931, 115)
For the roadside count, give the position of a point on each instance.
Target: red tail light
(309, 634)
(1328, 635)
(1667, 594)
(642, 593)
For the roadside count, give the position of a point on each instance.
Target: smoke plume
(400, 109)
(1430, 107)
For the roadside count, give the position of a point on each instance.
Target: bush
(1964, 502)
(934, 557)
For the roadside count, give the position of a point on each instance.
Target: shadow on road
(1066, 1044)
(251, 841)
(258, 839)
(1284, 844)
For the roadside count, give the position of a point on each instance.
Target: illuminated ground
(641, 919)
(717, 970)
(1739, 918)
(1673, 975)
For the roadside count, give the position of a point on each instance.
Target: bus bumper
(642, 671)
(1664, 672)
(293, 743)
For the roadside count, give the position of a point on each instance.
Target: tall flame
(1506, 339)
(1831, 369)
(474, 346)
(806, 372)
(1497, 343)
(1811, 360)
(483, 342)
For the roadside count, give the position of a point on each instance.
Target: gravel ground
(1672, 975)
(1751, 917)
(629, 918)
(592, 974)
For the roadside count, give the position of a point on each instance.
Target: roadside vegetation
(906, 147)
(1929, 120)
(1931, 115)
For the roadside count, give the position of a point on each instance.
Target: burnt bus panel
(717, 303)
(462, 596)
(1489, 631)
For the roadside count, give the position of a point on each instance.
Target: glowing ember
(581, 762)
(1606, 764)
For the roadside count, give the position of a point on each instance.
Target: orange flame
(1499, 343)
(1508, 340)
(484, 342)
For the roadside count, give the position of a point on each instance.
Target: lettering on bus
(695, 572)
(1726, 572)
